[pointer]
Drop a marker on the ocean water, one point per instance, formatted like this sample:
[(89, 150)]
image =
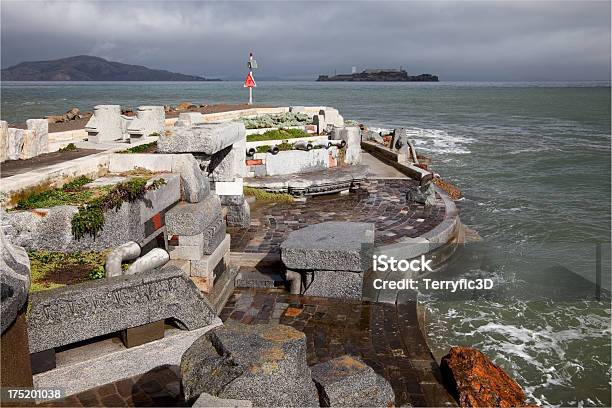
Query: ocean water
[(533, 163)]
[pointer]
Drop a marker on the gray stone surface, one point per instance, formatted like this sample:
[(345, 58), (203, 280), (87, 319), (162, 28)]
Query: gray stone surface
[(335, 284), (238, 211), (36, 138), (333, 245), (213, 236), (207, 138), (189, 118), (148, 120), (51, 229), (193, 218), (106, 124), (265, 364), (210, 401), (425, 194), (78, 312), (14, 280), (15, 143), (3, 140), (228, 164), (195, 185), (348, 382), (103, 362), (352, 137)]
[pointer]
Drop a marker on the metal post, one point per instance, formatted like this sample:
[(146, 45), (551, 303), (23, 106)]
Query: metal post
[(250, 96)]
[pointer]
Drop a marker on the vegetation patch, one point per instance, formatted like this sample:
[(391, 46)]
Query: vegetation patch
[(280, 120), (55, 269), (262, 195), (90, 217), (278, 134), (70, 193), (70, 147), (143, 148), (91, 202)]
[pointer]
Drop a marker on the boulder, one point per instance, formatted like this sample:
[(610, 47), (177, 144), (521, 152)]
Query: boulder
[(330, 246), (475, 381), (14, 280), (348, 382), (185, 106), (265, 364), (71, 114), (207, 138), (425, 194)]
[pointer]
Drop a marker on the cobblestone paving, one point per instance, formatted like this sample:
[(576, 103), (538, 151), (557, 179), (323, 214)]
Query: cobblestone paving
[(382, 202), (386, 337), (160, 387)]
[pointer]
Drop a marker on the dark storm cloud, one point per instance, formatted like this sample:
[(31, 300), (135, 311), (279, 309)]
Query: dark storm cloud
[(485, 40)]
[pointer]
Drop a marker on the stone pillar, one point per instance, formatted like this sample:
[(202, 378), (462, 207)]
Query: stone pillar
[(105, 124), (3, 140), (352, 137), (15, 143), (36, 138)]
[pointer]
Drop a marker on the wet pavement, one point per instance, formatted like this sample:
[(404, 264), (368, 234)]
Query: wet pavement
[(380, 201)]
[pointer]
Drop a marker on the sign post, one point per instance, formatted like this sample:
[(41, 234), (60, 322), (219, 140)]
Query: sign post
[(249, 82)]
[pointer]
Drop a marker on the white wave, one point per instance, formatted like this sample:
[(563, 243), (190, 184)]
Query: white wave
[(433, 140)]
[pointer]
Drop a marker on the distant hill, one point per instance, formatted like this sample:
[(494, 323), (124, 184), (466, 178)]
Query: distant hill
[(88, 68)]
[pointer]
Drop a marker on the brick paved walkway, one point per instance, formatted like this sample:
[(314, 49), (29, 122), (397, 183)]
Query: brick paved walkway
[(387, 337), (382, 202)]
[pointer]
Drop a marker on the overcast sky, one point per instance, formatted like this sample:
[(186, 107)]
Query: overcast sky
[(463, 40)]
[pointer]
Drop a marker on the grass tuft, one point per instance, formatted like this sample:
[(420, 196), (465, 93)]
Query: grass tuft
[(262, 195)]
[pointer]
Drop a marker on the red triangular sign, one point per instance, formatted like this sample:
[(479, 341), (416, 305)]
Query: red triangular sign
[(249, 82)]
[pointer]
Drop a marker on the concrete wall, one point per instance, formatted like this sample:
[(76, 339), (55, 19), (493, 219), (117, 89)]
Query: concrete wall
[(292, 162)]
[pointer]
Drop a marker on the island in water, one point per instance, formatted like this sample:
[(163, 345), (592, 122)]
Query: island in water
[(380, 75), (89, 68)]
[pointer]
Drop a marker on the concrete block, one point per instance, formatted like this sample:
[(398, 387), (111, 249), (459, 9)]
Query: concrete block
[(205, 266), (106, 124), (149, 120), (83, 311), (296, 161), (4, 142), (15, 143), (336, 246), (193, 218), (186, 252), (336, 284), (352, 137), (207, 138), (36, 139)]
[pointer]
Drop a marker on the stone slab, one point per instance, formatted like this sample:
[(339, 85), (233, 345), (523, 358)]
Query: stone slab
[(335, 284), (256, 279), (195, 185), (107, 361), (347, 381), (334, 246), (207, 138), (14, 277), (79, 312)]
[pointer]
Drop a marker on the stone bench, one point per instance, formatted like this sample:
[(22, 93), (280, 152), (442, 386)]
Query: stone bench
[(330, 258)]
